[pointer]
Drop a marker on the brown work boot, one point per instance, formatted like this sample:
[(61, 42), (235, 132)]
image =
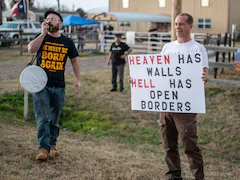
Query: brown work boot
[(53, 152), (42, 155)]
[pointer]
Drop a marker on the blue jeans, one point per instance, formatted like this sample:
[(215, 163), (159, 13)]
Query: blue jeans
[(48, 105), (115, 70)]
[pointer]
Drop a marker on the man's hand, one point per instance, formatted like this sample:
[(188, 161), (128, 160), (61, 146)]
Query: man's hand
[(108, 62), (129, 79), (123, 56), (35, 44), (205, 77), (45, 27), (77, 86)]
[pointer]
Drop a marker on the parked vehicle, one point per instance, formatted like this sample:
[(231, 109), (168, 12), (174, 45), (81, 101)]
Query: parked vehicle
[(10, 29), (4, 42)]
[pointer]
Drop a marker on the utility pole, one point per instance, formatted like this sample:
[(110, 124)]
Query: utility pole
[(58, 1), (176, 9)]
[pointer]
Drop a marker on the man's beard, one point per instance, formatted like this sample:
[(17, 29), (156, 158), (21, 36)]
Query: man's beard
[(53, 29)]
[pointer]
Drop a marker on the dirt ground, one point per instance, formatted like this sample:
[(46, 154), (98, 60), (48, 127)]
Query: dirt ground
[(81, 157), (12, 70), (89, 158)]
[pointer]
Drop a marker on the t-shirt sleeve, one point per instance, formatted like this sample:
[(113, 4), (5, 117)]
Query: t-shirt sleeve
[(126, 47), (111, 48), (163, 49), (205, 57), (72, 50), (37, 35)]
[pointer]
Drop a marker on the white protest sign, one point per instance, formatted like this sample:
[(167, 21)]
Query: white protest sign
[(167, 83)]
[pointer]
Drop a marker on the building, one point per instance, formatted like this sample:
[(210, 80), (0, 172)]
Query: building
[(210, 16), (134, 21), (92, 12)]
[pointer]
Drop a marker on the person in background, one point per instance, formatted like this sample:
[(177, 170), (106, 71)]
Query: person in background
[(118, 51)]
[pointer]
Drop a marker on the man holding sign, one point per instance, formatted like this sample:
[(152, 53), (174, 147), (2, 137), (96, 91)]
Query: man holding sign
[(173, 83), (183, 124)]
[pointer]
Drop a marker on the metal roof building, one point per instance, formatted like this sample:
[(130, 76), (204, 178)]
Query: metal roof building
[(132, 17)]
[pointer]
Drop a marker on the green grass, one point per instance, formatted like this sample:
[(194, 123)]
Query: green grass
[(12, 107), (97, 112)]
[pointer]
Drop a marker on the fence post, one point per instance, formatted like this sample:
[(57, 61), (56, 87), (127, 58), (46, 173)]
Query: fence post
[(217, 55), (96, 39), (20, 40), (223, 54), (101, 38), (208, 38), (233, 43), (25, 113), (229, 44), (149, 44), (102, 41)]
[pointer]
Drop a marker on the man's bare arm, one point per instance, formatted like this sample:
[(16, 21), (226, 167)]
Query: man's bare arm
[(109, 58), (76, 70), (35, 44), (205, 75)]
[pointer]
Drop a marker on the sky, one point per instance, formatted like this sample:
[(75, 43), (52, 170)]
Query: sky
[(84, 4)]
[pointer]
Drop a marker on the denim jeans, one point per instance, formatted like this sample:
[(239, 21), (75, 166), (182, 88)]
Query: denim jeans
[(115, 70), (48, 105)]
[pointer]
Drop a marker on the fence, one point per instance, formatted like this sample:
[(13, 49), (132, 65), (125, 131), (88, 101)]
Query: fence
[(16, 42), (222, 65), (19, 41), (141, 42)]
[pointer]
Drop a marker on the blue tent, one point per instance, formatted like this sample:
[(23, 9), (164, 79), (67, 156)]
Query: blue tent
[(72, 20)]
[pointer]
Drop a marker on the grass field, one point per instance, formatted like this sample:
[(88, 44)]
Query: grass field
[(101, 138)]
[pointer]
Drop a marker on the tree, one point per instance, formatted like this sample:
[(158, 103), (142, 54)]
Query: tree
[(81, 12)]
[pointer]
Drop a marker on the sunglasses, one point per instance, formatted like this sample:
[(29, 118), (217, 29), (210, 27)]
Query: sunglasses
[(51, 20)]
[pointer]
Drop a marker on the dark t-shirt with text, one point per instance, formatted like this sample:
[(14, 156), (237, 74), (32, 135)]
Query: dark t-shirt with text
[(52, 57), (118, 50)]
